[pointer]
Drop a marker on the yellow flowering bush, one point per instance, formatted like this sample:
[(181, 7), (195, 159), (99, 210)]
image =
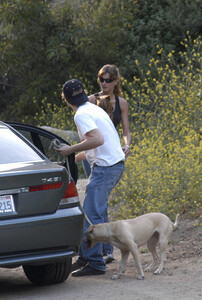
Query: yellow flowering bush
[(58, 116), (163, 170)]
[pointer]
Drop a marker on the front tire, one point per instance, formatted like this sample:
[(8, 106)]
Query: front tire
[(48, 274)]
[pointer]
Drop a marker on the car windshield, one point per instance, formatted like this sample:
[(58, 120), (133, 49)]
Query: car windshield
[(13, 149)]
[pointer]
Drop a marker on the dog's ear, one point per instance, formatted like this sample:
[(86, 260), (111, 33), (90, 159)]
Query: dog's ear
[(107, 98), (103, 97), (97, 100)]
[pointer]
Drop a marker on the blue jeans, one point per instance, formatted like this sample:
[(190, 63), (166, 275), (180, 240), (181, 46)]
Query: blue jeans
[(87, 168), (107, 248), (101, 182)]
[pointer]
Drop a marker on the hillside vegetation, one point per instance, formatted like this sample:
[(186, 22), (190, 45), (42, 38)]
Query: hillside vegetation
[(156, 45)]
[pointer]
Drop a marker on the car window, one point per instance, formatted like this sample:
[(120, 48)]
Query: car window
[(14, 149), (44, 144), (42, 140), (49, 150), (27, 134)]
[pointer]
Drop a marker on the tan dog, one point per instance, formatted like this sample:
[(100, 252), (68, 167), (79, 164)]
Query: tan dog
[(104, 103), (128, 235)]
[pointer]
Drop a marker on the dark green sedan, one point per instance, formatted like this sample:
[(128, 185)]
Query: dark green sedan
[(41, 220)]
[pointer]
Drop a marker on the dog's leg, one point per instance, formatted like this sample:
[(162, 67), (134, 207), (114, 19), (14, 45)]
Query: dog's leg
[(163, 242), (151, 244), (124, 257), (135, 252)]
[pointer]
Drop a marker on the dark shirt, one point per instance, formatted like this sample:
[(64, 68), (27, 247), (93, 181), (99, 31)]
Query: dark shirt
[(117, 111)]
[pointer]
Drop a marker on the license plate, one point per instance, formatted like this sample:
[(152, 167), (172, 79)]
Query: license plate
[(7, 204)]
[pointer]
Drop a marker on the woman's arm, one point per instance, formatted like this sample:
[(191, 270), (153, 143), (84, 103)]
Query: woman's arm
[(80, 156), (125, 126)]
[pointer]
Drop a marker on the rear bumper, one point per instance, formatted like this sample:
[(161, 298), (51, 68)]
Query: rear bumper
[(35, 258), (41, 239)]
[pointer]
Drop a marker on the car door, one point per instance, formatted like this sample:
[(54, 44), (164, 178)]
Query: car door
[(42, 139)]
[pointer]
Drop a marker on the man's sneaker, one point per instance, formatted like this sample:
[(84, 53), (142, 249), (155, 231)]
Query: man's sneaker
[(87, 271), (109, 258), (77, 265)]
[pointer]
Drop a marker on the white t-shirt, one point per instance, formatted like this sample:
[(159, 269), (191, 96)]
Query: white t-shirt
[(90, 116)]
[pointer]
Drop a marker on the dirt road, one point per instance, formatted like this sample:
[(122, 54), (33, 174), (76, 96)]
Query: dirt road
[(181, 278)]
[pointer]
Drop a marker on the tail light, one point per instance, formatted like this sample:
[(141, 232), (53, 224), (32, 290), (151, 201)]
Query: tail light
[(71, 190), (71, 194), (44, 187)]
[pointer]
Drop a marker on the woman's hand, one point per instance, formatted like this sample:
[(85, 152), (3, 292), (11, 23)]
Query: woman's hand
[(126, 150)]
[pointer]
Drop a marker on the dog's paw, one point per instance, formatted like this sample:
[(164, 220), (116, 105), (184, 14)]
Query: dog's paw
[(114, 277), (140, 277)]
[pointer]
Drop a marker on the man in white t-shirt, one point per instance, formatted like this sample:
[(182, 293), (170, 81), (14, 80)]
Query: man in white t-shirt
[(100, 145)]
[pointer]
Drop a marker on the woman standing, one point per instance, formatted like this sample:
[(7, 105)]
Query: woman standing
[(109, 80)]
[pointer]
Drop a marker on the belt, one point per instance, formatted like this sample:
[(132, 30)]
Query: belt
[(119, 162)]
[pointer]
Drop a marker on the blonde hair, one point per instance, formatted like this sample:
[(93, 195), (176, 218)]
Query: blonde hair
[(114, 74)]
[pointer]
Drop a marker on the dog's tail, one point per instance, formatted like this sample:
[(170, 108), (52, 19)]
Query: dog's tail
[(176, 221)]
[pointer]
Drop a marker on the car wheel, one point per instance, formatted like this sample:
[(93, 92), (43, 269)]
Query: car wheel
[(49, 273)]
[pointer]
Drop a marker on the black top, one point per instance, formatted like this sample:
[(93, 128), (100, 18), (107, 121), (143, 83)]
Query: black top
[(117, 111)]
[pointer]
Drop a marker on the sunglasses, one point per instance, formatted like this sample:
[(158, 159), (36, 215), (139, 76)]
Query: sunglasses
[(108, 80)]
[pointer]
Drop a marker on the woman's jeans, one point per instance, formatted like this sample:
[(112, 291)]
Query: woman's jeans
[(101, 182)]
